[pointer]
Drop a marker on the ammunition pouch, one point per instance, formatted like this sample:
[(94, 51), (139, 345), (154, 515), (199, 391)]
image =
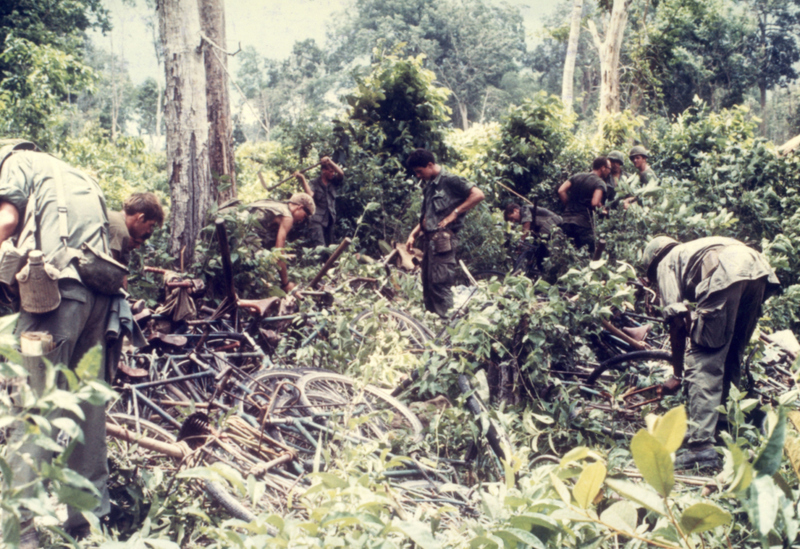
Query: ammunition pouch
[(442, 241)]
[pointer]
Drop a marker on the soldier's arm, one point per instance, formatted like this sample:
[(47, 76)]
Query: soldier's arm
[(474, 198), (597, 198), (412, 236), (286, 223), (563, 191), (327, 161), (9, 219), (302, 179)]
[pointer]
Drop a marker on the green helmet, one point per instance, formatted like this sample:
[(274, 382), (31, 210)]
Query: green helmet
[(616, 156), (304, 200), (639, 150), (654, 252)]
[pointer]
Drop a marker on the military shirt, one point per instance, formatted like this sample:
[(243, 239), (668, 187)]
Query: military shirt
[(325, 201), (545, 219), (648, 176), (119, 238), (440, 197), (28, 179), (267, 211), (578, 210), (697, 269)]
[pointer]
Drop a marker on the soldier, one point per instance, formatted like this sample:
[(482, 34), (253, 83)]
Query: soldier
[(323, 189), (275, 220), (645, 173), (728, 282), (141, 214), (67, 209), (581, 194), (616, 175), (446, 198), (545, 219)]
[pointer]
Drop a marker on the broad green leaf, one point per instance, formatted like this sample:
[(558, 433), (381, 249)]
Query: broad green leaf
[(8, 323), (419, 532), (341, 519), (79, 499), (671, 429), (703, 516), (589, 484), (520, 536), (638, 494), (561, 489), (574, 455), (527, 521), (5, 471), (762, 503), (769, 460), (742, 470), (622, 516), (653, 461), (89, 366)]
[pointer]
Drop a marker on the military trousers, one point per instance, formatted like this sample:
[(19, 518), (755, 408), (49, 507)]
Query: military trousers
[(581, 236), (320, 234), (77, 325), (724, 325), (438, 274)]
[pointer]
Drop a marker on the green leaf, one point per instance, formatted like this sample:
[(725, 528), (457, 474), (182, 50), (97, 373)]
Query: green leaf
[(769, 460), (520, 536), (330, 480), (79, 499), (8, 323), (589, 484), (703, 516), (671, 428), (742, 470), (89, 366), (561, 489), (653, 462), (762, 504), (622, 516), (574, 455), (640, 495), (419, 532)]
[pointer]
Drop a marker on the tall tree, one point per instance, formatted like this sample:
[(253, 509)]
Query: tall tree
[(220, 140), (568, 80), (609, 49), (186, 122)]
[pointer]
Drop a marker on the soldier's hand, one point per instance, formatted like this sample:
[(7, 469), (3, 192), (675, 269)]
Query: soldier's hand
[(410, 243), (671, 386), (325, 161), (298, 175), (447, 220), (288, 287)]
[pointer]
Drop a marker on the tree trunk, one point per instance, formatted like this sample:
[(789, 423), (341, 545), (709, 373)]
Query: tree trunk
[(463, 115), (568, 79), (186, 118), (609, 50), (220, 139)]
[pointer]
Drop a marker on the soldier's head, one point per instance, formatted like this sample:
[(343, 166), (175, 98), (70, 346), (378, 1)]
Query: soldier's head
[(601, 166), (638, 156), (654, 252), (513, 212), (143, 212), (302, 207), (329, 173), (422, 163), (616, 159)]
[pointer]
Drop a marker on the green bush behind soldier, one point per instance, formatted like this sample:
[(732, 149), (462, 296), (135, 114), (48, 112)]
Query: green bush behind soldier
[(322, 223), (29, 183), (275, 220), (581, 194), (445, 199), (728, 282)]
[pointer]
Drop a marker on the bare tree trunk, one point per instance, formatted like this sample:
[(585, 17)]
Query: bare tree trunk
[(187, 123), (220, 139), (114, 91), (609, 50), (568, 79), (464, 115)]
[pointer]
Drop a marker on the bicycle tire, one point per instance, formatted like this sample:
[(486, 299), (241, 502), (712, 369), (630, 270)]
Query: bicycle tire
[(416, 331), (495, 434), (619, 360), (323, 392)]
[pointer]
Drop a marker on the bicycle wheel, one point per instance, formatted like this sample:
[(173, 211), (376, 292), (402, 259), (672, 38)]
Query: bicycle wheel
[(341, 400), (495, 434), (368, 323), (617, 362)]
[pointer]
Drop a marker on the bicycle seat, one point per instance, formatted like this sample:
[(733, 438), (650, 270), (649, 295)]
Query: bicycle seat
[(258, 306), (639, 333)]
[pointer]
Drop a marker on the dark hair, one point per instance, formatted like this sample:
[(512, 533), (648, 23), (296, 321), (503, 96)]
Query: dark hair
[(146, 203), (510, 208), (600, 162), (420, 158)]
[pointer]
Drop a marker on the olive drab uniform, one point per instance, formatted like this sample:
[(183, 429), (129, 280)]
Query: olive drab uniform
[(728, 281), (578, 218), (440, 197), (29, 180), (119, 237), (266, 212), (322, 223)]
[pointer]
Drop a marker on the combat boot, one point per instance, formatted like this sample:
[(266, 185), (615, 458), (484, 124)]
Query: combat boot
[(702, 456)]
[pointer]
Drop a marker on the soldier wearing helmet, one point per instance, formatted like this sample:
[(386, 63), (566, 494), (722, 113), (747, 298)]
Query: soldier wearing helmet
[(644, 174), (617, 173), (725, 282), (275, 220)]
